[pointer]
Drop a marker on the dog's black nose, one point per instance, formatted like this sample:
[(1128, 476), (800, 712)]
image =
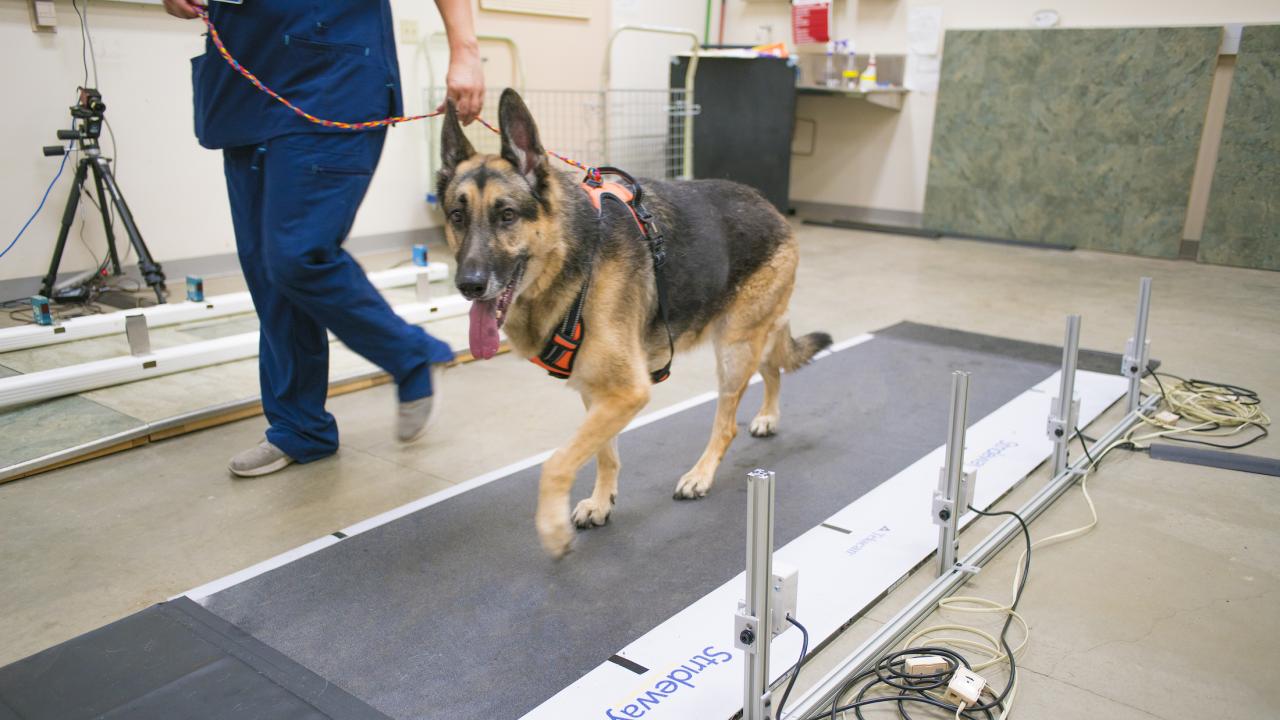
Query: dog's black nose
[(472, 283)]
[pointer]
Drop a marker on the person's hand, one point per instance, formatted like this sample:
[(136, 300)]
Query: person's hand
[(465, 83), (185, 9)]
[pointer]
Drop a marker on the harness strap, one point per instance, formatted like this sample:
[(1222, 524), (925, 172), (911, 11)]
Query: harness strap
[(561, 350), (559, 353)]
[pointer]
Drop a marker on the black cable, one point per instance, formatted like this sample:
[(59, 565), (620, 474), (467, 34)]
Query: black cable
[(1263, 432), (1017, 597), (859, 704), (912, 687), (1160, 385), (84, 55), (795, 671), (1243, 396), (1080, 436)]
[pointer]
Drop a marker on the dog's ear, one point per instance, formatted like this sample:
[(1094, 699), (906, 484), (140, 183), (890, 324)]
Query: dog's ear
[(520, 144), (454, 147)]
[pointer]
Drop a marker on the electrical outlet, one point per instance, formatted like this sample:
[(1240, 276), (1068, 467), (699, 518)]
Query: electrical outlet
[(408, 31), (44, 16), (925, 665), (965, 687)]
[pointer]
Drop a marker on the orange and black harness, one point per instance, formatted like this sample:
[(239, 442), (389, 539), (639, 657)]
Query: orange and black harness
[(558, 355)]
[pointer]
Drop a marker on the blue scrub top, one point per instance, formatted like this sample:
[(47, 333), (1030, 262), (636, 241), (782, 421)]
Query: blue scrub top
[(335, 59)]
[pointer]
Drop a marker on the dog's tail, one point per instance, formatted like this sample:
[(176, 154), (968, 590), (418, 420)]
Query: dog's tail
[(800, 351)]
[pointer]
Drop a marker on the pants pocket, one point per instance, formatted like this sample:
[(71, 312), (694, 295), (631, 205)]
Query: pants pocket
[(339, 171)]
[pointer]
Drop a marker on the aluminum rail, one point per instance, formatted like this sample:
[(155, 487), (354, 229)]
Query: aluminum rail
[(760, 499), (215, 306), (1063, 415), (823, 693), (948, 518), (1136, 354)]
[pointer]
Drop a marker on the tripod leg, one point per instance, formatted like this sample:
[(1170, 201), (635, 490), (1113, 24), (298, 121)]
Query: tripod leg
[(106, 221), (68, 217), (149, 268)]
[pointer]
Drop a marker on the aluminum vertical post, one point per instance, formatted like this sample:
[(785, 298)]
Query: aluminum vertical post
[(753, 627), (1136, 352), (950, 501), (1066, 408), (890, 636)]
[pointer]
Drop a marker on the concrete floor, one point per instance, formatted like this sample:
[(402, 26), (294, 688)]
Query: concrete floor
[(1148, 616)]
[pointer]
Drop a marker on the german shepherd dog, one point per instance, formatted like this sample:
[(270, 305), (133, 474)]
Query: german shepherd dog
[(526, 236)]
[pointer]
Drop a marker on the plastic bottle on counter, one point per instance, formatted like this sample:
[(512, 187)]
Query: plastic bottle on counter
[(850, 74), (868, 79), (829, 77)]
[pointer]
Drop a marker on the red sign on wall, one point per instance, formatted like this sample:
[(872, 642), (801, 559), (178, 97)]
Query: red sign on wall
[(811, 22)]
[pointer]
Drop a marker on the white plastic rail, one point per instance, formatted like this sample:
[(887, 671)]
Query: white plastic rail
[(48, 384), (90, 326)]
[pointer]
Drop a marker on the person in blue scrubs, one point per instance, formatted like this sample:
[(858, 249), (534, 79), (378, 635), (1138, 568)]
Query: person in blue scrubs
[(294, 188)]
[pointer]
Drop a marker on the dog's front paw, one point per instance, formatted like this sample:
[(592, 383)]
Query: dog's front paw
[(764, 425), (693, 485), (589, 513), (556, 537)]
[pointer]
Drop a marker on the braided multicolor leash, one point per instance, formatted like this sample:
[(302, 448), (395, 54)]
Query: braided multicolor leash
[(366, 125), (235, 65)]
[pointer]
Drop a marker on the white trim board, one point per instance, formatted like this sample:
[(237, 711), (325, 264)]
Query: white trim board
[(83, 377), (214, 306), (694, 669)]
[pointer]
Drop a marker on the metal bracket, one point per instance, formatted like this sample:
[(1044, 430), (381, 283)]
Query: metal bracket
[(1059, 428), (746, 630), (422, 286), (1134, 364), (135, 329), (945, 507)]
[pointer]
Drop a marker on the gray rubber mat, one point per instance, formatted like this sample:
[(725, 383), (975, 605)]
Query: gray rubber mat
[(172, 660), (455, 612)]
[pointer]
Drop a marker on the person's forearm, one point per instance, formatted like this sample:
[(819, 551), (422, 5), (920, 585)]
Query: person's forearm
[(458, 25)]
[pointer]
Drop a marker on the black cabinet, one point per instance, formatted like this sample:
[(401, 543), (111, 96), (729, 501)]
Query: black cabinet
[(744, 130)]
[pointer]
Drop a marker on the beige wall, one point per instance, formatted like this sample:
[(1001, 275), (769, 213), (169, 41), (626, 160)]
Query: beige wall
[(174, 187), (870, 156)]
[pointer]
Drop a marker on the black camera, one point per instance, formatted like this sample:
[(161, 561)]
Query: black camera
[(88, 126)]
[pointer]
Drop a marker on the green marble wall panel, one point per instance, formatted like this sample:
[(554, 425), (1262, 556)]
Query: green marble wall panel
[(1243, 223), (1083, 137)]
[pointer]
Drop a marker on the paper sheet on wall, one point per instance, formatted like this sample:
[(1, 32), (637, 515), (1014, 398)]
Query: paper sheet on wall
[(922, 72), (924, 29), (924, 43), (811, 22)]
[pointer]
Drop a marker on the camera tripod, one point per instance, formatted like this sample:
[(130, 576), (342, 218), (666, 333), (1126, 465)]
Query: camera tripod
[(86, 131)]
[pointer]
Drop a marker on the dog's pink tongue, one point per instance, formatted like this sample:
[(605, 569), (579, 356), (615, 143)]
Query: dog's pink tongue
[(484, 329)]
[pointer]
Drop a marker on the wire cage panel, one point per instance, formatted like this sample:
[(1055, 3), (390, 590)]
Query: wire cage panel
[(639, 131)]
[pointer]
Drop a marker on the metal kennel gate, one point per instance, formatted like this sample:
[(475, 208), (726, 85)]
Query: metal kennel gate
[(647, 132)]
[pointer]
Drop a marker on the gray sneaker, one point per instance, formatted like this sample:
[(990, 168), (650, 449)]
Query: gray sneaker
[(261, 460), (412, 417)]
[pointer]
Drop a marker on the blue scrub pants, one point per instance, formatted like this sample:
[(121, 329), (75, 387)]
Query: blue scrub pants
[(293, 199)]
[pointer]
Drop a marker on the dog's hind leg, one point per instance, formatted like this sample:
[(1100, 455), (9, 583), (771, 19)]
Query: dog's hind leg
[(594, 511), (610, 412), (765, 422), (736, 361)]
